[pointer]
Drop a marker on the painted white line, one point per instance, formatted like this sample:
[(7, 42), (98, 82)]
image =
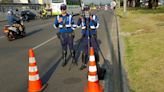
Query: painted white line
[(2, 37), (36, 47)]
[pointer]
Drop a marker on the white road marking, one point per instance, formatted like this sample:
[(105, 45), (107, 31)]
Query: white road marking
[(2, 37), (36, 47)]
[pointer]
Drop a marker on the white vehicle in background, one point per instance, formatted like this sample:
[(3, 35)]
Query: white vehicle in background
[(55, 6)]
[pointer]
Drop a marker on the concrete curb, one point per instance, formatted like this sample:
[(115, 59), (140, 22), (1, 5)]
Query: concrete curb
[(125, 87)]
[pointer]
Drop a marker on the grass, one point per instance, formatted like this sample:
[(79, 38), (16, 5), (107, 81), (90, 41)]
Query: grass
[(145, 51)]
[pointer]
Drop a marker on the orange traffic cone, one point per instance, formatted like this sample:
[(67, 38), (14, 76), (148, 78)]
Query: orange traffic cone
[(35, 83), (93, 82)]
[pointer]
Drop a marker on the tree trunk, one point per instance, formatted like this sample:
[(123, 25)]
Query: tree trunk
[(150, 4), (137, 3), (156, 3), (130, 3)]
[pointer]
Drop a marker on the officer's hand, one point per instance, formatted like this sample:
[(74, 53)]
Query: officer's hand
[(60, 20), (91, 18), (82, 19)]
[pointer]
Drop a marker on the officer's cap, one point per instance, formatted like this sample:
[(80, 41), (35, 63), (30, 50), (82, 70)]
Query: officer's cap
[(63, 7)]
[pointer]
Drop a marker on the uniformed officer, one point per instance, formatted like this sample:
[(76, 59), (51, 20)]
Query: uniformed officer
[(66, 26), (89, 23)]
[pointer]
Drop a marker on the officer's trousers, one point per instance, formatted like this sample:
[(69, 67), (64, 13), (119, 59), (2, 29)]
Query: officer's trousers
[(67, 40), (92, 42)]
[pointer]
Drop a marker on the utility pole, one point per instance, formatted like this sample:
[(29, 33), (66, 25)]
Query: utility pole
[(118, 3), (125, 7)]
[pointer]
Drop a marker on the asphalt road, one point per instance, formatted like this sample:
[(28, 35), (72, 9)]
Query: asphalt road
[(42, 37)]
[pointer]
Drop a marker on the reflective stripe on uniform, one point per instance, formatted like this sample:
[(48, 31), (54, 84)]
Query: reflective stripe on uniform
[(97, 25), (82, 23), (33, 69), (92, 68), (60, 26), (92, 78), (32, 60), (92, 58), (94, 17), (73, 28), (58, 17), (74, 25), (54, 26), (92, 27), (78, 26), (67, 25), (70, 17), (83, 27), (34, 77)]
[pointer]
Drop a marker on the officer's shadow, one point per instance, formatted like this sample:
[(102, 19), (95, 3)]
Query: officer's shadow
[(79, 48)]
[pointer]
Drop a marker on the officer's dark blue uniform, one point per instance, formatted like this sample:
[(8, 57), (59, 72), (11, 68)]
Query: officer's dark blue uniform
[(66, 26), (89, 25)]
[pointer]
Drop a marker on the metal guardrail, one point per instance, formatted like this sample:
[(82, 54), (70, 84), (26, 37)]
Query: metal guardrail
[(4, 7), (35, 8)]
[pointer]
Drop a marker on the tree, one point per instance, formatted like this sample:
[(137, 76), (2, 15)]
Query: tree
[(137, 3), (153, 4), (7, 1)]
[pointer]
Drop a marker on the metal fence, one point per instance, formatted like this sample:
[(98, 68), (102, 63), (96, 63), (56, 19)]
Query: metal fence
[(4, 7)]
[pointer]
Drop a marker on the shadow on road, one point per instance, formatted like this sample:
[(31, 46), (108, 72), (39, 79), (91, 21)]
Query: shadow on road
[(34, 32), (108, 80), (49, 73), (79, 47)]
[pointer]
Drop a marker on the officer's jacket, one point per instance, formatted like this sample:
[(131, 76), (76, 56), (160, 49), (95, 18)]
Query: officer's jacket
[(67, 25), (88, 26)]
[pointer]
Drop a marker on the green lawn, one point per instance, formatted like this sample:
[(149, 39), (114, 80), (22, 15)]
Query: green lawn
[(144, 57)]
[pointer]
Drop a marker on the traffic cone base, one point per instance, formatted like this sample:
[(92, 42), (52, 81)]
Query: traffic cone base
[(40, 89), (95, 88)]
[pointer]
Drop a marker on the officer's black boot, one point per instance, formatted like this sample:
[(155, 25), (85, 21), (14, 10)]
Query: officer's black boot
[(73, 56), (84, 61), (64, 58)]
